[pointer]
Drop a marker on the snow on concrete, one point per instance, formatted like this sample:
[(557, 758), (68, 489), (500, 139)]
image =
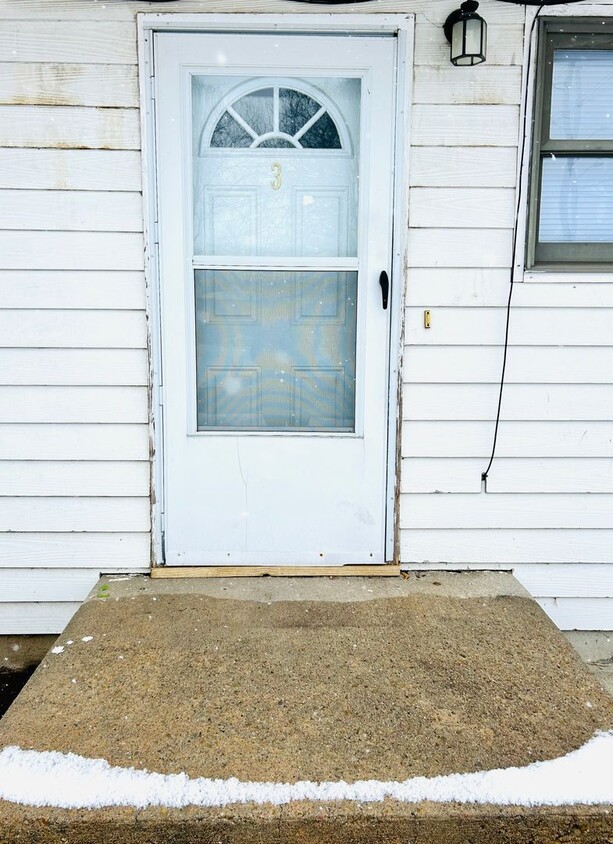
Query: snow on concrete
[(68, 781), (58, 649)]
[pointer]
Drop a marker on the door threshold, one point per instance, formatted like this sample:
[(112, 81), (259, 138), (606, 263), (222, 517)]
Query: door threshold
[(276, 571)]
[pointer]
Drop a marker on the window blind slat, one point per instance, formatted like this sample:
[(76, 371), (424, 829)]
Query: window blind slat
[(576, 200), (581, 103)]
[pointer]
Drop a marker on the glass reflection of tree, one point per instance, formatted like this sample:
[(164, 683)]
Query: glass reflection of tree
[(302, 122)]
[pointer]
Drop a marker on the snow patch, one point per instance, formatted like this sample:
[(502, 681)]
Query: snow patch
[(58, 649), (87, 638), (68, 781)]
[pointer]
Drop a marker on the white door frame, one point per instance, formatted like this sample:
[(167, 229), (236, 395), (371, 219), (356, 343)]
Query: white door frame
[(400, 26)]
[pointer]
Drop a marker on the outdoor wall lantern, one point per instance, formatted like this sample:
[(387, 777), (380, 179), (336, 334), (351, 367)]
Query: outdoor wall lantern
[(466, 32)]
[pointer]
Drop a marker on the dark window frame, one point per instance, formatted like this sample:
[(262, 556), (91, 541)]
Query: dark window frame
[(563, 34)]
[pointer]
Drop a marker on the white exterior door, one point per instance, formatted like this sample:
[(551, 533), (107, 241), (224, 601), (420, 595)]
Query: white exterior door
[(275, 196)]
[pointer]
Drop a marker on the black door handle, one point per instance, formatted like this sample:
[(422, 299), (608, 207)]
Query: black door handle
[(384, 281)]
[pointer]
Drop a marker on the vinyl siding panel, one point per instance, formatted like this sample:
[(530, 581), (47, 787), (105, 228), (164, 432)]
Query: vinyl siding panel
[(482, 364), (61, 367), (522, 402), (83, 290), (69, 84), (579, 613), (505, 548), (70, 169), (67, 127), (74, 404), (70, 478), (70, 211), (104, 551), (42, 617), (546, 513), (508, 475), (74, 442)]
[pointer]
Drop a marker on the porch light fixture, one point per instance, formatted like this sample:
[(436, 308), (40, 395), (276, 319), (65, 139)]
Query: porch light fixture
[(466, 32)]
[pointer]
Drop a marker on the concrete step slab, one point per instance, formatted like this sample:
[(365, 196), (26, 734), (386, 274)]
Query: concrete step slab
[(284, 680)]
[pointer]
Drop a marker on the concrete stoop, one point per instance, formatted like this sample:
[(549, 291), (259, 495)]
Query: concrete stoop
[(318, 679)]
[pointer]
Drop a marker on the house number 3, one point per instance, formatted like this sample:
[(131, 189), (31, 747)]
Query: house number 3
[(276, 182)]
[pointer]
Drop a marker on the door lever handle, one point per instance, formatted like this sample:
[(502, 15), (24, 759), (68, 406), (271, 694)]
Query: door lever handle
[(384, 281)]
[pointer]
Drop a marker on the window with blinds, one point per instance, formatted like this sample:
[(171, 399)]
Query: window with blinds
[(571, 202)]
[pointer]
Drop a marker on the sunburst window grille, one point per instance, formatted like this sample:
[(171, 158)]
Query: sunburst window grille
[(276, 117)]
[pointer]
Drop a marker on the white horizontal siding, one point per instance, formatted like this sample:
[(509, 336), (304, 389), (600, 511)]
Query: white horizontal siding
[(78, 329), (72, 289), (579, 613), (67, 126), (44, 250), (465, 125), (74, 404), (70, 169), (511, 475), (490, 208), (528, 326), (505, 548), (74, 442), (567, 581), (504, 44), (61, 515), (521, 402), (500, 511), (33, 618), (42, 585), (468, 167), (105, 551), (546, 512), (74, 478), (32, 585), (552, 365), (58, 40), (68, 84), (515, 439), (488, 85), (442, 474), (70, 211), (459, 247), (489, 288), (73, 366)]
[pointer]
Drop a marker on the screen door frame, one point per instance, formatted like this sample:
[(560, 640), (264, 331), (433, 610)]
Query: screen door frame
[(400, 27)]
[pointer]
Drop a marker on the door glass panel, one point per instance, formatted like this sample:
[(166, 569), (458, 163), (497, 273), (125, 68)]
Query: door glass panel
[(275, 166), (275, 350), (295, 109), (322, 135), (256, 109)]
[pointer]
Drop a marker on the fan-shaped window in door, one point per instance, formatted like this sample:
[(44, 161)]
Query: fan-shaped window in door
[(277, 117)]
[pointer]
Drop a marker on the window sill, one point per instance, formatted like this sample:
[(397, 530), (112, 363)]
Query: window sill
[(574, 276)]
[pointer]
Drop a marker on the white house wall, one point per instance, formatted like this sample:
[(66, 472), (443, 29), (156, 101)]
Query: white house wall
[(556, 435), (74, 410), (74, 433)]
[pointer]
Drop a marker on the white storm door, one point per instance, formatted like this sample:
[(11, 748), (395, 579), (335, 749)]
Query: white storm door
[(275, 195)]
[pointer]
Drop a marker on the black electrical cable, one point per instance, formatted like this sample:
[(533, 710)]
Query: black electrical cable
[(518, 206)]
